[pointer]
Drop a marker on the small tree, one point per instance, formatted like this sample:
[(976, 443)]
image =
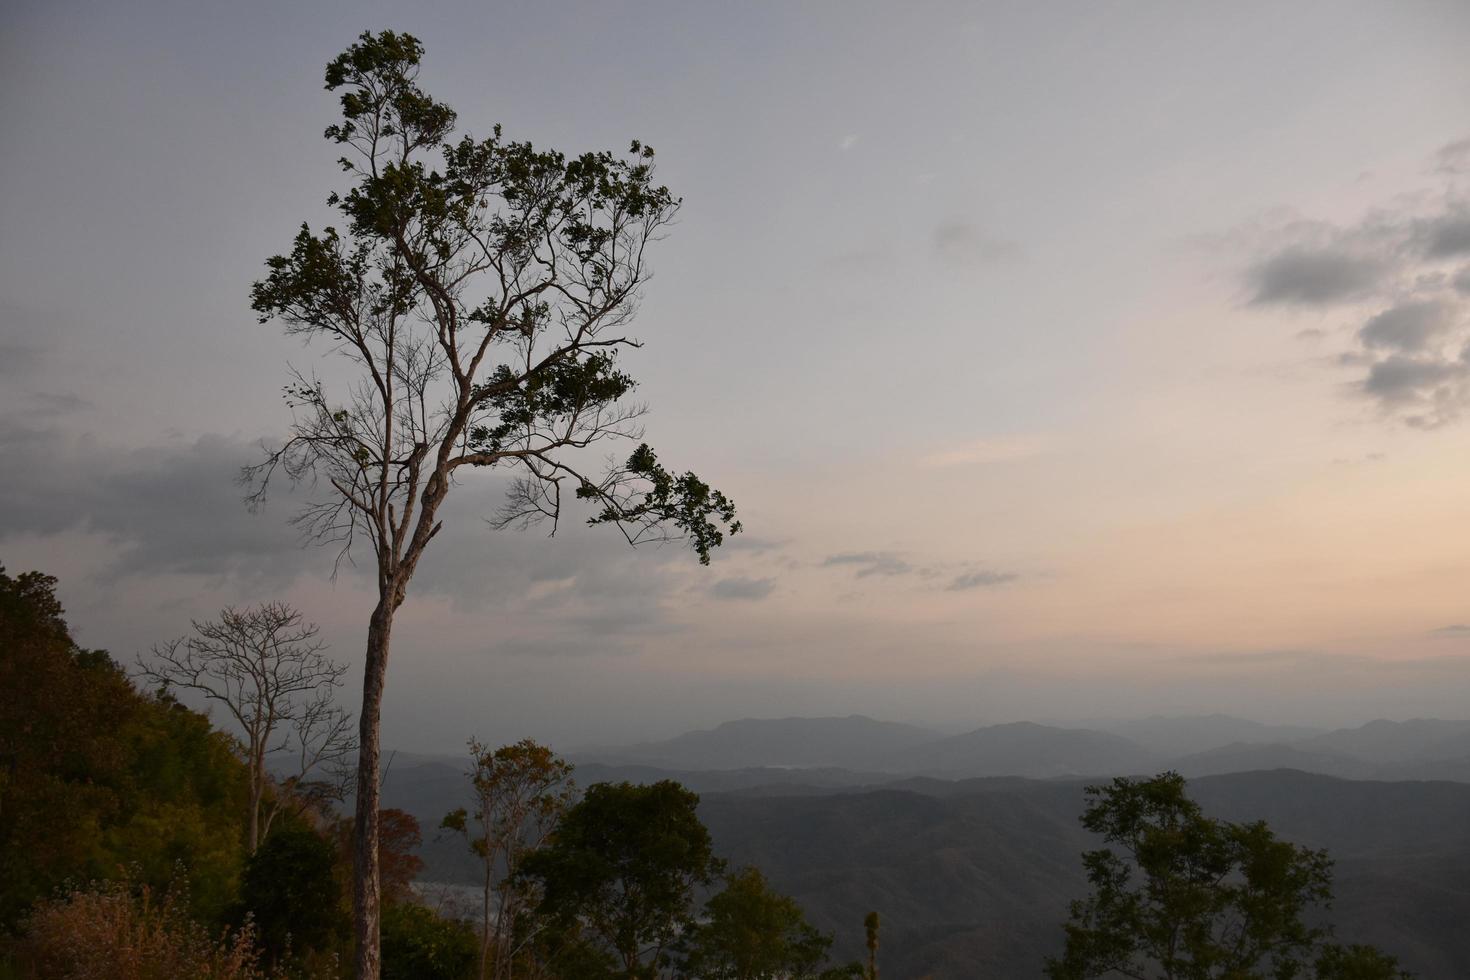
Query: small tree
[(749, 932), (619, 874), (1193, 898), (480, 292), (399, 841), (291, 890), (421, 945), (520, 793), (266, 667)]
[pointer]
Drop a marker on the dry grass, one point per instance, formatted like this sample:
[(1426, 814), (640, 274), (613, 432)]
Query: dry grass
[(113, 931)]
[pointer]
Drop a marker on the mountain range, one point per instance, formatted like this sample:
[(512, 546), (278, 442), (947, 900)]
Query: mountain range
[(969, 845), (1417, 749)]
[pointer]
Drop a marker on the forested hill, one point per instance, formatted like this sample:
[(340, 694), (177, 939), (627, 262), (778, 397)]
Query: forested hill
[(974, 876)]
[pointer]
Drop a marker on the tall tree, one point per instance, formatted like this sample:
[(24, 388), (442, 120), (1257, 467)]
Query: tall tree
[(520, 792), (266, 667), (619, 876), (1194, 898), (480, 291)]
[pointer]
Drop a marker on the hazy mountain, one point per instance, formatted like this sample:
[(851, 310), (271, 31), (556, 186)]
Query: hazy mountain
[(973, 876), (975, 881), (1186, 735), (1025, 749), (1242, 757), (1420, 739), (853, 742)]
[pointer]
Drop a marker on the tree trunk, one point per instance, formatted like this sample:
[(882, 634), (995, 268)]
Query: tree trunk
[(485, 916), (255, 795), (366, 892)]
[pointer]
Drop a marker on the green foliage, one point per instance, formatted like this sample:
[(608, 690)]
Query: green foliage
[(520, 792), (1357, 963), (291, 889), (1198, 898), (481, 285), (95, 775), (618, 877), (749, 932), (420, 945)]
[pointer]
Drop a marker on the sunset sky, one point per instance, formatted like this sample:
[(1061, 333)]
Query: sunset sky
[(1066, 361)]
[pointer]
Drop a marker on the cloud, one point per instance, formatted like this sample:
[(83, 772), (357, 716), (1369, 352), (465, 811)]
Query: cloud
[(848, 142), (961, 243), (1400, 380), (173, 508), (1309, 276), (1392, 271), (1410, 326), (742, 588), (1453, 158), (886, 563), (993, 449), (982, 579), (1446, 235), (1455, 629)]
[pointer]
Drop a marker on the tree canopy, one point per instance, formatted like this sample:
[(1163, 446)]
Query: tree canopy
[(619, 874), (1194, 898), (95, 775)]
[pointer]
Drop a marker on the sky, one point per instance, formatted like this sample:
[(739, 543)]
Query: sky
[(1066, 361)]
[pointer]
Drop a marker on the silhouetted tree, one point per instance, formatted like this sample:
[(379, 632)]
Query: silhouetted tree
[(1193, 898), (481, 291), (520, 792), (618, 876), (266, 667), (749, 932)]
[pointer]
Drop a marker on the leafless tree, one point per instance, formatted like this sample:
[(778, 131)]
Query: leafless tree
[(480, 294), (265, 666)]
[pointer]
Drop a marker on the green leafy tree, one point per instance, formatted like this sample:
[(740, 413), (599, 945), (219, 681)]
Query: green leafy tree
[(618, 876), (1193, 898), (481, 291), (520, 792), (420, 945), (290, 888), (95, 775), (750, 932)]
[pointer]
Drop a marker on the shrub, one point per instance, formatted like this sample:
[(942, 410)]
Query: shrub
[(111, 931), (420, 945)]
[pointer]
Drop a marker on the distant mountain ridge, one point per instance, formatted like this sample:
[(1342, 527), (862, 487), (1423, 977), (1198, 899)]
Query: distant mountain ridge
[(849, 742), (1206, 745), (1180, 735)]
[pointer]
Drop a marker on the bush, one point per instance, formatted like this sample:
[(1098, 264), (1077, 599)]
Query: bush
[(290, 887), (110, 930), (420, 945)]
